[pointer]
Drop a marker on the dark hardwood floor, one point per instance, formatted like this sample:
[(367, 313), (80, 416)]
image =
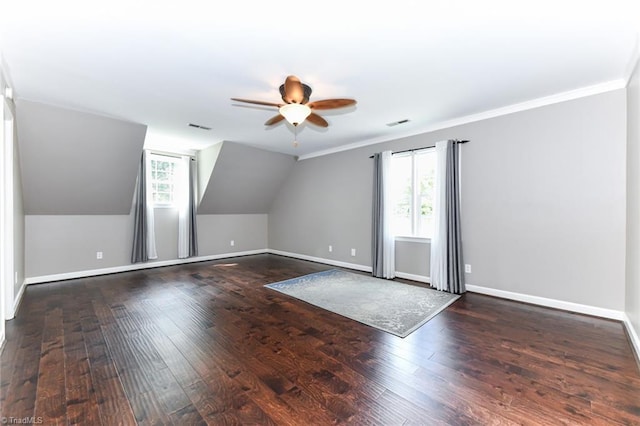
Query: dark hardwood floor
[(205, 343)]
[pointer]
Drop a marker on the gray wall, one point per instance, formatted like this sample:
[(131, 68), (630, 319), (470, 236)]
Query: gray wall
[(326, 201), (413, 258), (77, 163), (543, 198), (632, 301), (80, 169), (59, 244), (244, 179), (207, 159), (215, 232)]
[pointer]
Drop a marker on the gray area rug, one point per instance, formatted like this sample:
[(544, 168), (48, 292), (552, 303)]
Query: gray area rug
[(391, 306)]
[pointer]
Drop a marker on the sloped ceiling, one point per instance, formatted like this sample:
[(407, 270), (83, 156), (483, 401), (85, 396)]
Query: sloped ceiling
[(245, 180), (75, 163)]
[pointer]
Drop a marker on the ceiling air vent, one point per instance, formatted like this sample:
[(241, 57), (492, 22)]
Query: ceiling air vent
[(197, 126), (395, 123)]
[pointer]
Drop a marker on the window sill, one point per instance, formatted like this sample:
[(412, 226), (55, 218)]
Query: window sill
[(421, 240)]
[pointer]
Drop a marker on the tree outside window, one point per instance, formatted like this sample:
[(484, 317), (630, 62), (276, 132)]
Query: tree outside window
[(163, 180)]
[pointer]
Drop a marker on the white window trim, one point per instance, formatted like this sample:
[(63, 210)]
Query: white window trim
[(409, 239), (415, 199), (173, 157)]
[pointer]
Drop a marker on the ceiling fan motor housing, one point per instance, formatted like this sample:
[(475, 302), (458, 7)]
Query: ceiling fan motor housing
[(306, 89)]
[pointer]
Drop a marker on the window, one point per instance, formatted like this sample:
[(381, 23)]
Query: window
[(413, 178), (162, 180)]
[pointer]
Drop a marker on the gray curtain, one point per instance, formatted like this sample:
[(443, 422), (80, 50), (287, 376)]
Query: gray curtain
[(382, 240), (140, 226), (193, 237), (447, 265)]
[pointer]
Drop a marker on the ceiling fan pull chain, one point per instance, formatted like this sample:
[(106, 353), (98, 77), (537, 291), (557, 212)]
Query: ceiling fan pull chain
[(295, 136)]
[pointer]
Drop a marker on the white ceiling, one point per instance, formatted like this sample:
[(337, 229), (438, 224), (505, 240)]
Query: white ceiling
[(170, 63)]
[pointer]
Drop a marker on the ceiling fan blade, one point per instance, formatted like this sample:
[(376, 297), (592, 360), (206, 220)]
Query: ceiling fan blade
[(331, 103), (317, 120), (249, 101), (273, 120), (293, 90)]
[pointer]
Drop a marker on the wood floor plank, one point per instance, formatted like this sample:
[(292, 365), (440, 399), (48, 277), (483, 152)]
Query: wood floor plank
[(82, 406), (51, 392), (268, 347), (113, 404), (19, 391), (206, 343)]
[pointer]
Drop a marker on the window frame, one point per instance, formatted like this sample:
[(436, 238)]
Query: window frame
[(156, 156), (415, 197)]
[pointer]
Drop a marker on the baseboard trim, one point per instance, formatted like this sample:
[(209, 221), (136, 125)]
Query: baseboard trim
[(414, 277), (535, 300), (331, 262), (633, 336), (549, 303), (519, 297), (135, 267), (18, 300)]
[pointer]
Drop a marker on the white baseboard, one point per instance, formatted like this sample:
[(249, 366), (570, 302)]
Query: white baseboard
[(413, 277), (549, 303), (633, 335), (135, 267), (332, 262), (18, 299), (536, 300)]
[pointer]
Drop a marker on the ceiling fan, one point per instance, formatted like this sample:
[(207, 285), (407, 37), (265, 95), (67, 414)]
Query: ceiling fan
[(296, 107)]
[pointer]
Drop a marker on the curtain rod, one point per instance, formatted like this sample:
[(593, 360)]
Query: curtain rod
[(424, 147)]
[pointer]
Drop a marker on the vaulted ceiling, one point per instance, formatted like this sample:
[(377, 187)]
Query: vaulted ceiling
[(167, 64)]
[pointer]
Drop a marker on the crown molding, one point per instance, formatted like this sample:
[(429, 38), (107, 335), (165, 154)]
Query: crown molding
[(498, 112)]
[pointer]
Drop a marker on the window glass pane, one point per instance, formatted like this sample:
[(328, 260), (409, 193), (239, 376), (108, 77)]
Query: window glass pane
[(163, 187), (162, 198), (153, 169), (162, 180), (425, 169), (401, 194)]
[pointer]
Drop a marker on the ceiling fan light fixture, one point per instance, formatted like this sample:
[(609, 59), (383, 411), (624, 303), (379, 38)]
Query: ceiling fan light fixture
[(295, 113)]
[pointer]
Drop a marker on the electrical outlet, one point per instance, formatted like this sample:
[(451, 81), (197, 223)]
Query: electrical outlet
[(353, 252), (232, 243), (467, 268), (98, 255), (330, 249)]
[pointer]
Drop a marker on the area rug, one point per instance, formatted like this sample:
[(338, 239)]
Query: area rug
[(391, 306)]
